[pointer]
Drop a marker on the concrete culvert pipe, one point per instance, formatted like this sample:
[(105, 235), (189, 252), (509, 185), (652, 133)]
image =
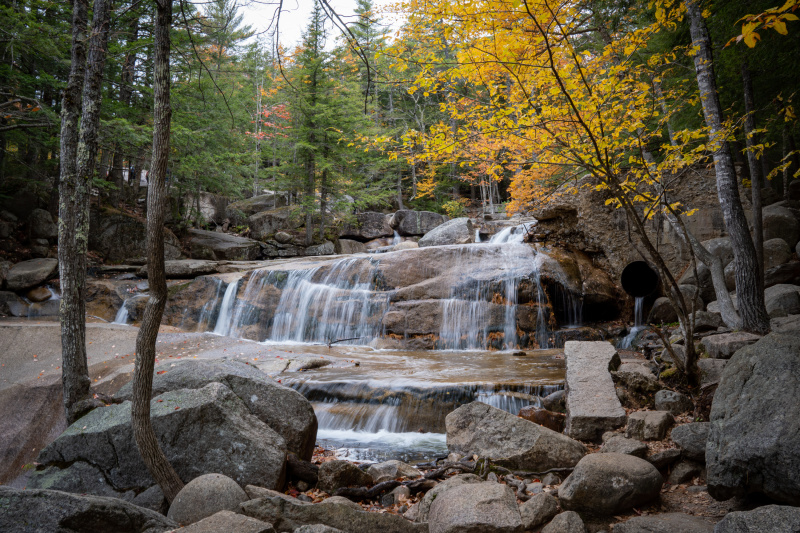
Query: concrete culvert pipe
[(638, 279)]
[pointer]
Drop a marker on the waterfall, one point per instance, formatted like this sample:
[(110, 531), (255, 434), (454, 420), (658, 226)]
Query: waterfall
[(207, 311), (638, 307), (511, 234), (638, 324), (396, 239), (122, 314), (224, 322), (477, 235), (319, 306)]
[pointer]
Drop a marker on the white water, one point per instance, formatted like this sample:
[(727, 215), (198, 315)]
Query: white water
[(638, 324), (396, 239), (122, 314), (511, 234), (477, 235), (210, 307), (224, 322)]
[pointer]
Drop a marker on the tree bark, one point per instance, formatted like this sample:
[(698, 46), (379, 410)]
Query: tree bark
[(749, 290), (146, 440), (72, 196), (756, 179)]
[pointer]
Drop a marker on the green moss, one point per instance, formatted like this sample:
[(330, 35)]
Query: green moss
[(668, 373), (175, 289)]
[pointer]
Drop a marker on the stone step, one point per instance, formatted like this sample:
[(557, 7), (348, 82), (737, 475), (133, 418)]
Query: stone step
[(592, 404)]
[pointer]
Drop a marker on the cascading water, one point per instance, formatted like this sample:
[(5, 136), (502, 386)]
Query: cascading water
[(224, 322), (209, 308), (638, 324), (477, 235), (122, 315), (396, 239)]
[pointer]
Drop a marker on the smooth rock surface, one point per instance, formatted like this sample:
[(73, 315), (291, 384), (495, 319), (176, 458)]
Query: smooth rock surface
[(776, 252), (283, 409), (543, 417), (664, 458), (408, 222), (480, 507), (766, 519), (665, 523), (609, 483), (566, 522), (710, 370), (200, 431), (592, 404), (537, 511), (392, 470), (455, 481), (228, 522), (725, 345), (620, 444), (40, 511), (455, 231), (337, 474), (782, 300), (509, 440), (222, 246), (691, 439), (29, 274), (684, 471), (286, 514), (204, 496), (649, 425), (755, 423), (636, 377), (780, 223), (367, 226)]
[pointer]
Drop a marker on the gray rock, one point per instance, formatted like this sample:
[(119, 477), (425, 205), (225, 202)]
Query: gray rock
[(200, 431), (636, 377), (337, 474), (283, 409), (326, 248), (755, 419), (228, 522), (620, 444), (723, 346), (79, 478), (592, 404), (41, 225), (392, 470), (29, 274), (665, 523), (425, 503), (34, 511), (121, 238), (785, 273), (710, 370), (706, 321), (204, 496), (691, 439), (566, 522), (720, 247), (649, 425), (368, 226), (780, 223), (766, 519), (475, 427), (678, 349), (408, 222), (789, 324), (283, 238), (456, 231), (664, 458), (776, 252), (347, 246), (556, 402), (222, 246), (266, 223), (609, 483), (153, 499), (537, 511), (8, 217), (551, 479), (684, 471), (239, 211), (782, 300), (317, 528), (405, 245), (184, 268), (286, 514), (398, 494), (672, 401), (480, 507)]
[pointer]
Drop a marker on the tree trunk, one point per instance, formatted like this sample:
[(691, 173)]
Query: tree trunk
[(72, 196), (116, 177), (749, 288), (323, 204), (309, 199), (756, 179), (399, 190), (146, 440)]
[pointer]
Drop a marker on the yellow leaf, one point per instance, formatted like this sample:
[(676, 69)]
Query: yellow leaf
[(780, 27), (751, 39)]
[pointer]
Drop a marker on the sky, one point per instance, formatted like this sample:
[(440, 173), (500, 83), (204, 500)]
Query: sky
[(295, 13)]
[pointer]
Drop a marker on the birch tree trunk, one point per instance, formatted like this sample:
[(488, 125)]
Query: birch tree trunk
[(72, 195), (749, 291), (146, 440)]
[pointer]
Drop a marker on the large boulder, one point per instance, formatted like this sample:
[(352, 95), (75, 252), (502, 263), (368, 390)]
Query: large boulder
[(407, 222), (232, 522), (33, 511), (287, 514), (781, 223), (755, 423), (204, 496), (334, 475), (222, 246), (368, 226), (723, 346), (41, 225), (665, 523), (200, 431), (566, 522), (649, 425), (267, 223), (239, 211), (766, 519), (392, 470), (620, 444), (28, 274), (673, 401), (475, 428), (121, 238), (720, 247), (480, 508), (456, 231), (185, 268), (782, 300), (776, 252), (425, 503), (348, 246), (609, 483), (537, 511), (283, 409)]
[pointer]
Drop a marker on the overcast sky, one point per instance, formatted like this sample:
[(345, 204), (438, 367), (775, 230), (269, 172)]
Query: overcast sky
[(295, 14)]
